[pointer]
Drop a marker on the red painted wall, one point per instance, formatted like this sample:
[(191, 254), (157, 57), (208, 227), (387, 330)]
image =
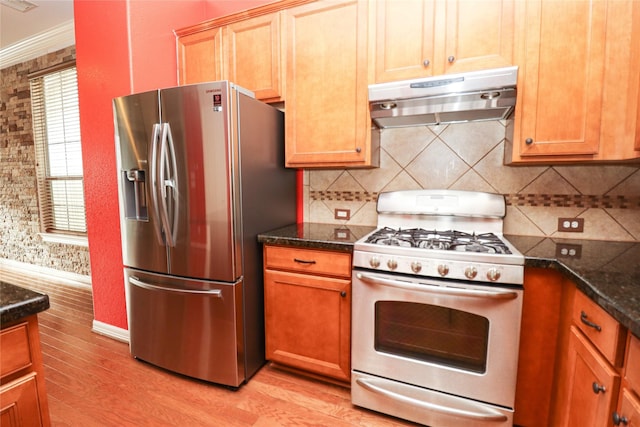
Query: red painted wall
[(122, 47), (102, 60)]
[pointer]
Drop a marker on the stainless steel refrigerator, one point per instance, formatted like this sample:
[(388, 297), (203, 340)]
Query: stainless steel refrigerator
[(201, 173)]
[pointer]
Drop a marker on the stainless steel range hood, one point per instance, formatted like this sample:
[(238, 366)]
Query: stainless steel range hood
[(452, 98)]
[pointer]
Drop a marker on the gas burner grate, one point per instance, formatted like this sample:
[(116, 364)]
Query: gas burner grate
[(443, 240)]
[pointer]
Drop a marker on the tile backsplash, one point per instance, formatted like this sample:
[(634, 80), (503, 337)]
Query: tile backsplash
[(470, 156)]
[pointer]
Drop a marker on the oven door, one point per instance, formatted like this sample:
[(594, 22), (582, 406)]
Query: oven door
[(444, 335)]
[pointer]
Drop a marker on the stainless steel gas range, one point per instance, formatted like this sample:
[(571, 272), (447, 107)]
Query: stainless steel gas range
[(437, 301)]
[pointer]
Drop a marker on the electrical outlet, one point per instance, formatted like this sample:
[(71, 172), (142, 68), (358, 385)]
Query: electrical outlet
[(571, 225), (342, 234), (568, 250), (344, 214)]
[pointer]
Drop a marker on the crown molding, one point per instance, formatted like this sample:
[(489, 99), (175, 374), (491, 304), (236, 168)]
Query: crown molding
[(53, 39)]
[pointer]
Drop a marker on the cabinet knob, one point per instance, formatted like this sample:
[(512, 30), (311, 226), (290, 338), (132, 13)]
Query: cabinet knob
[(597, 388), (619, 419), (528, 141), (426, 62), (358, 149), (451, 59), (343, 294)]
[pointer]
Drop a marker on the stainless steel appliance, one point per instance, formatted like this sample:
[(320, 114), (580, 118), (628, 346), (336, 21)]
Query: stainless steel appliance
[(437, 300), (452, 98), (201, 173)]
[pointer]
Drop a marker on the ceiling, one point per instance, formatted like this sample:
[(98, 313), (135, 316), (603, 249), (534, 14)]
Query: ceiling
[(17, 26)]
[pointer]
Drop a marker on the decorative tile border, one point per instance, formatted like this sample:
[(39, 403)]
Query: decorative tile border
[(550, 200), (574, 201), (343, 196)]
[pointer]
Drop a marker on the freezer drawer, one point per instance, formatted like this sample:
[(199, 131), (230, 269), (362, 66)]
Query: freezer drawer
[(191, 327)]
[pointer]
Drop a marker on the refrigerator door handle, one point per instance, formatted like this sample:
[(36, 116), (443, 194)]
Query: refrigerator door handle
[(154, 181), (137, 282), (169, 199)]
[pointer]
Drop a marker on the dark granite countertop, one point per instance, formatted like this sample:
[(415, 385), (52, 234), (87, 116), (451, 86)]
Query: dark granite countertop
[(607, 272), (317, 236), (17, 303)]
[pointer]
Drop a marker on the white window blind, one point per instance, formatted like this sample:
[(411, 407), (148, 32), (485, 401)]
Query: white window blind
[(56, 129)]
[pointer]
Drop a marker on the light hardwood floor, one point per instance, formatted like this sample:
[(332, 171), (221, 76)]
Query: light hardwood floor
[(93, 381)]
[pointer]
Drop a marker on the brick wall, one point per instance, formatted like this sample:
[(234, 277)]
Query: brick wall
[(19, 223)]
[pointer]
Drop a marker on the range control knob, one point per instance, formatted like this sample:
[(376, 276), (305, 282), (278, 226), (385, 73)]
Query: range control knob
[(416, 267), (374, 262), (493, 274), (392, 264), (470, 272), (443, 269)]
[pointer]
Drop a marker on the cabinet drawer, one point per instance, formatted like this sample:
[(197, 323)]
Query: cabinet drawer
[(16, 354), (307, 261), (602, 329), (632, 370)]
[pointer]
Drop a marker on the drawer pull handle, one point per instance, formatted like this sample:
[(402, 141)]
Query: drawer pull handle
[(597, 388), (304, 261), (586, 321)]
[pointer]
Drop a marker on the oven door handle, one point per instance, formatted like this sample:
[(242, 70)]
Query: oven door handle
[(488, 416), (441, 290)]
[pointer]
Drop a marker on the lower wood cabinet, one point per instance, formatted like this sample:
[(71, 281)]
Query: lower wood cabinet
[(542, 309), (628, 411), (23, 400), (590, 363), (578, 366), (591, 385), (308, 310)]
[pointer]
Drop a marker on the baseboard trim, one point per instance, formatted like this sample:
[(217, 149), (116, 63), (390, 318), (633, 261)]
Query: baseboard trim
[(36, 271), (110, 331)]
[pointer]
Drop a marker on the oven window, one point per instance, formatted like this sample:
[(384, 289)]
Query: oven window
[(432, 334)]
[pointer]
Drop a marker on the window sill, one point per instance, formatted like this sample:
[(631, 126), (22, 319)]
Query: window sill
[(66, 239)]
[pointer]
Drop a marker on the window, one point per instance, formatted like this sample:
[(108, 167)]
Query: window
[(56, 130)]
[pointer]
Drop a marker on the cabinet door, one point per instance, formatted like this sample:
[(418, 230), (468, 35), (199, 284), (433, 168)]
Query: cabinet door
[(591, 385), (404, 39), (561, 50), (421, 38), (620, 129), (628, 412), (327, 112), (628, 409), (20, 406), (308, 322), (254, 55), (200, 57), (479, 35)]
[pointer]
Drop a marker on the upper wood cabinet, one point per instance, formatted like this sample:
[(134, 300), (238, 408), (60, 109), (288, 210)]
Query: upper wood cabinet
[(578, 81), (200, 56), (419, 38), (327, 118), (245, 48), (254, 55)]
